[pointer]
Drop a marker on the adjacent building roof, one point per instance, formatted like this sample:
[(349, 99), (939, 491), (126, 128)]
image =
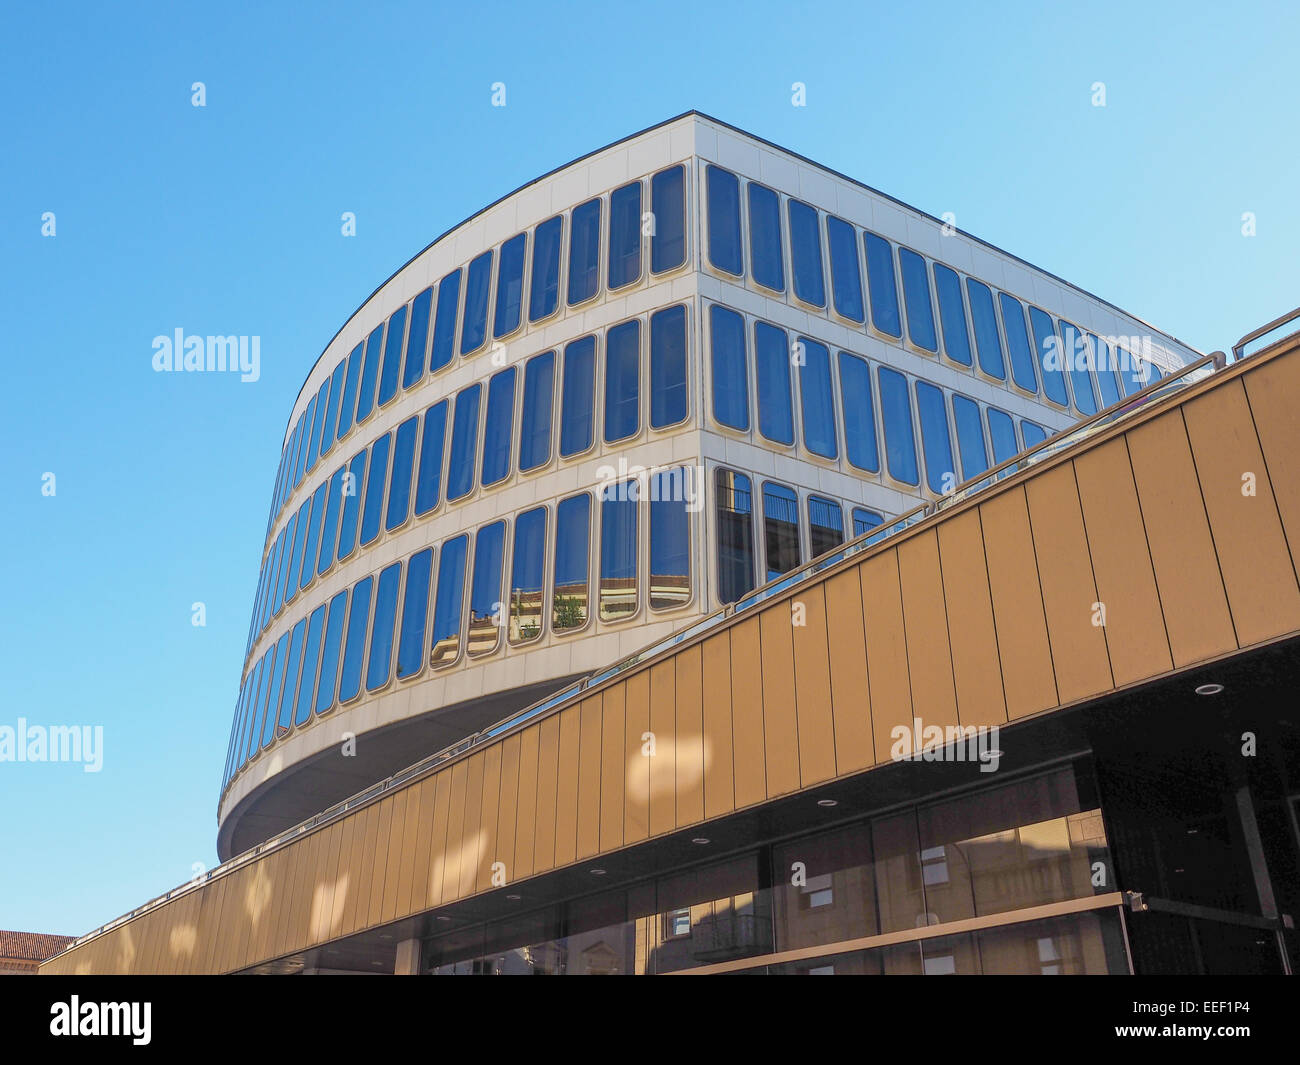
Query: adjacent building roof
[(30, 946)]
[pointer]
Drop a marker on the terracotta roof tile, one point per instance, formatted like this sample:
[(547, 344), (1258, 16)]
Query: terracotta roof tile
[(31, 946)]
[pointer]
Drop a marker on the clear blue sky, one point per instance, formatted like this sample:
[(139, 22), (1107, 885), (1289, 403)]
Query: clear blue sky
[(225, 220)]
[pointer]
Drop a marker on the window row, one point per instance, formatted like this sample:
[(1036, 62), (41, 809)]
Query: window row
[(451, 598), (482, 423), (977, 325), (422, 336), (846, 405)]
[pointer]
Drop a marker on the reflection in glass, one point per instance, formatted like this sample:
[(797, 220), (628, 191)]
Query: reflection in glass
[(376, 479), (859, 413), (780, 529), (970, 437), (444, 323), (399, 486), (284, 719), (330, 646), (1032, 432), (498, 427), (952, 314), (473, 324), (572, 532), (526, 577), (723, 192), (625, 235), (535, 418), (370, 374), (765, 255), (350, 392), (1050, 361), (354, 646), (896, 414), (485, 606), (1022, 355), (448, 601), (544, 296), (1079, 356), (584, 252), (881, 285), (623, 381), (1002, 435), (353, 483), (415, 614), (772, 382), (579, 399), (730, 379), (464, 440), (310, 655), (428, 489), (825, 525), (380, 662), (392, 370), (670, 540), (940, 473), (988, 344), (278, 661), (865, 520), (806, 254), (510, 286), (667, 367), (328, 431), (668, 202), (816, 400), (735, 535), (618, 536), (329, 530), (846, 273), (417, 344)]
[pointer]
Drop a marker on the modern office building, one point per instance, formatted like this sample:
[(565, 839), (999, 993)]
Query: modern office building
[(629, 545)]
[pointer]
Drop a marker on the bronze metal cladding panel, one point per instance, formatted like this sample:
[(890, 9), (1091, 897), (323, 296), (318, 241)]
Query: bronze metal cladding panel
[(891, 693), (663, 760), (507, 805), (405, 870), (548, 755), (976, 671), (1271, 390), (812, 681), (383, 841), (850, 692), (415, 875), (311, 890), (438, 839), (214, 908), (471, 848), (322, 896), (359, 915), (588, 774), (345, 883), (1253, 556), (526, 816), (925, 626), (636, 799), (715, 681), (1121, 563), (1187, 569), (1026, 659), (613, 772), (455, 830), (1074, 630), (690, 737), (489, 850), (390, 872), (358, 873), (328, 927), (566, 792), (747, 713), (780, 723)]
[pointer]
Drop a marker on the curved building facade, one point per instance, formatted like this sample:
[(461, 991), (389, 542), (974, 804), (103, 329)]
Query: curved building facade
[(617, 399)]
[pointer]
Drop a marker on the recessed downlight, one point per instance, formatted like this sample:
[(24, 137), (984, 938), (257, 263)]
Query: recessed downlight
[(514, 898), (700, 841), (828, 803), (1209, 689), (598, 872)]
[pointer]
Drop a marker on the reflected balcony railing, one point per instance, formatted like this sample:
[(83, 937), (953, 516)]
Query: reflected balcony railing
[(1167, 386)]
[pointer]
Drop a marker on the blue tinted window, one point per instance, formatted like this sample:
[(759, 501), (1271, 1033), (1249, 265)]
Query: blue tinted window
[(765, 255), (498, 427), (625, 235), (1130, 375), (415, 614), (825, 526), (393, 345), (473, 325), (429, 489), (940, 474), (1002, 435), (329, 530), (286, 553), (730, 377), (579, 400), (1048, 347), (723, 190), (376, 479), (780, 529), (328, 431), (987, 341), (535, 420), (485, 606), (354, 644), (816, 400), (544, 294), (584, 252), (668, 202), (1022, 355), (258, 706), (881, 285), (399, 488), (865, 520), (667, 367), (447, 603), (772, 382), (1104, 366), (510, 286), (970, 437), (310, 657), (279, 660), (353, 484), (309, 551), (304, 442), (303, 520), (952, 315), (896, 414), (806, 254), (916, 295), (1078, 357), (623, 381), (464, 442), (370, 374), (350, 391), (331, 644), (284, 719), (846, 273), (670, 540), (417, 343), (572, 533), (859, 413), (735, 527), (1032, 432), (444, 322), (322, 402), (527, 576), (618, 536), (380, 663)]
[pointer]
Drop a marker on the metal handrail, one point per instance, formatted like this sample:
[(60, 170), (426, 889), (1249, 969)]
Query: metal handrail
[(1173, 382), (1238, 349)]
